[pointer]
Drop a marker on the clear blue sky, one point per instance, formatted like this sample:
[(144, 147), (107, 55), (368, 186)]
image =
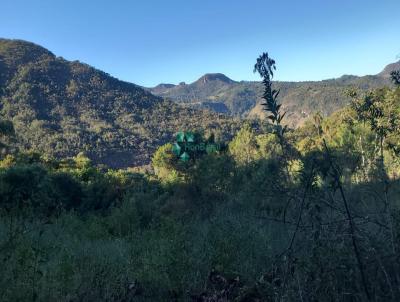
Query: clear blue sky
[(167, 41)]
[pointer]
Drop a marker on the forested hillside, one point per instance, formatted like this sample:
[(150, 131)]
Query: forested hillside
[(300, 99), (273, 214), (210, 190), (61, 108)]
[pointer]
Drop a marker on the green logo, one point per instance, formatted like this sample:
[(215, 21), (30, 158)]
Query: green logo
[(185, 145)]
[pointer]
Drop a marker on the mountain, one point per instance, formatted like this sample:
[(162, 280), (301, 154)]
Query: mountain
[(389, 68), (61, 108), (214, 77), (299, 99), (212, 91)]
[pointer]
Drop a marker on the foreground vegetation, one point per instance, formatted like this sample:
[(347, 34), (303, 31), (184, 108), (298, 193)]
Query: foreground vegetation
[(277, 215)]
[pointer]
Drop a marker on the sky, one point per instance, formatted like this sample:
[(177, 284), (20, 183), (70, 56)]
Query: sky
[(170, 41)]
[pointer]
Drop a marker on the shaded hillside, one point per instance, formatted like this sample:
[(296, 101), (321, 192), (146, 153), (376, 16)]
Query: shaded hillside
[(300, 99), (275, 213), (61, 108)]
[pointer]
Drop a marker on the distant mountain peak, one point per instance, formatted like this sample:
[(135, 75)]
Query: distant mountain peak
[(210, 77), (164, 85), (389, 68)]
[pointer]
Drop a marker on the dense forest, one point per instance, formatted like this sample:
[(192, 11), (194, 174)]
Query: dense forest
[(275, 214), (61, 108)]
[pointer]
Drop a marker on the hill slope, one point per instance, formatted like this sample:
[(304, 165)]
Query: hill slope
[(300, 99), (385, 73), (61, 108)]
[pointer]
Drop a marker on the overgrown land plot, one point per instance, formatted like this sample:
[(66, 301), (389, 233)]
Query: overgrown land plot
[(255, 211)]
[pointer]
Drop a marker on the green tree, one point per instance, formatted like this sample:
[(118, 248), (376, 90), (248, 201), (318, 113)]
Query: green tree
[(165, 163), (395, 76), (6, 130), (243, 147), (380, 110)]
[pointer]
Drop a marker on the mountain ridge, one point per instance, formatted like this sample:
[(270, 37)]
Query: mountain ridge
[(300, 99), (60, 108), (219, 76), (389, 68), (209, 77)]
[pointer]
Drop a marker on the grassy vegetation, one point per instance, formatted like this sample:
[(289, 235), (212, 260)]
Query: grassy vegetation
[(253, 222), (276, 214)]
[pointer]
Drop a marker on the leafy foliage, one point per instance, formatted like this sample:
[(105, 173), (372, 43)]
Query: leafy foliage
[(61, 108), (6, 131), (395, 75), (241, 224)]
